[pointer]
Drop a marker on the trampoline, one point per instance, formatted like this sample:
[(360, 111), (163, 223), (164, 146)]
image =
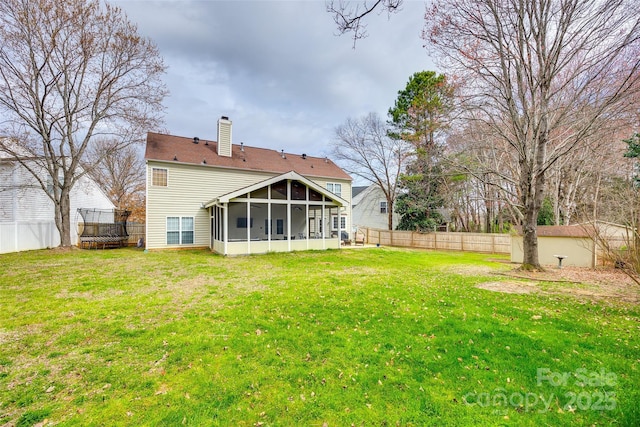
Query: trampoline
[(103, 227)]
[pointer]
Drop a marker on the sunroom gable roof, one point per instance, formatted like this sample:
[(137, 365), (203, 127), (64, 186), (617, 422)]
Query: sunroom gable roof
[(292, 175)]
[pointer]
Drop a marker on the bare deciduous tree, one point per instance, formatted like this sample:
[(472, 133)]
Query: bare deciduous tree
[(541, 75), (121, 173), (70, 71), (363, 147)]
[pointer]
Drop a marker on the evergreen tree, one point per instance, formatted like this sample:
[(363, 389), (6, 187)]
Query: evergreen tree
[(419, 116)]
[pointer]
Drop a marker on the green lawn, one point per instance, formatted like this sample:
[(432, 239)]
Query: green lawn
[(375, 337)]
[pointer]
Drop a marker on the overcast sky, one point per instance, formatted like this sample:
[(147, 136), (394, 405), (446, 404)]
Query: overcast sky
[(277, 68)]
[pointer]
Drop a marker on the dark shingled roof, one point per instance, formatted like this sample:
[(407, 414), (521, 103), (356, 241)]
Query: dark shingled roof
[(357, 190), (167, 147)]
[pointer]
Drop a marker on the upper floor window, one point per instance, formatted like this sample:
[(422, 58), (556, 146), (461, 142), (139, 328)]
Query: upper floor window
[(335, 188), (159, 177), (383, 207)]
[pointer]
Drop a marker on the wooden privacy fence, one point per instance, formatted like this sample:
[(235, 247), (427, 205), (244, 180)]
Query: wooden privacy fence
[(470, 242), (136, 232)]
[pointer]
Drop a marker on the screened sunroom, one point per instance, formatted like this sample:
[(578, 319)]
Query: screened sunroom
[(284, 213)]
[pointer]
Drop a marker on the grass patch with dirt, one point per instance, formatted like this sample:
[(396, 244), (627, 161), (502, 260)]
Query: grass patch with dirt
[(365, 337)]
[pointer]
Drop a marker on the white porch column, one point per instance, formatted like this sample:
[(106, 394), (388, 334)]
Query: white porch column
[(225, 226), (324, 224), (249, 226), (306, 221), (269, 217), (212, 226), (289, 215)]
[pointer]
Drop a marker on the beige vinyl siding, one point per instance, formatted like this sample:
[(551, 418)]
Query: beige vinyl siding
[(346, 186), (188, 187), (346, 195)]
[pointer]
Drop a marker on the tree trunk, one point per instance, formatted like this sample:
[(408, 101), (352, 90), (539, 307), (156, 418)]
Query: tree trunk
[(533, 192), (530, 259), (488, 219), (556, 200), (390, 214), (63, 218)]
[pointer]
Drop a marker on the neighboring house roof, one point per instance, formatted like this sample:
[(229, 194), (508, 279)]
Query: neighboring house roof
[(177, 149), (289, 175), (357, 197), (357, 190)]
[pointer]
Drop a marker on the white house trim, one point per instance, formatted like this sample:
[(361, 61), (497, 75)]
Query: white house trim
[(225, 198)]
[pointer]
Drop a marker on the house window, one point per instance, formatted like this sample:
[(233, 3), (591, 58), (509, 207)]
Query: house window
[(334, 222), (159, 177), (173, 230), (383, 207), (335, 188), (279, 226), (180, 230), (187, 230), (242, 222)]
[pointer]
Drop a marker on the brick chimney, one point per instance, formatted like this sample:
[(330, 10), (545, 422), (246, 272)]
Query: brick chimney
[(224, 136)]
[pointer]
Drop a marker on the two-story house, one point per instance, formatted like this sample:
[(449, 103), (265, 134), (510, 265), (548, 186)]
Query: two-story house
[(236, 199), (370, 208), (27, 214)]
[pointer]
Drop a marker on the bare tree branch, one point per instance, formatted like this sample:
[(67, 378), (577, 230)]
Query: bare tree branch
[(71, 71), (542, 75), (349, 17), (364, 149)]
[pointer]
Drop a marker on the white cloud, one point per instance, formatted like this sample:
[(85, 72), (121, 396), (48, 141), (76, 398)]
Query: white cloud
[(276, 68)]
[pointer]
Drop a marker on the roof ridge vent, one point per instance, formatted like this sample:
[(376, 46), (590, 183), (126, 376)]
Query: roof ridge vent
[(282, 154), (196, 140)]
